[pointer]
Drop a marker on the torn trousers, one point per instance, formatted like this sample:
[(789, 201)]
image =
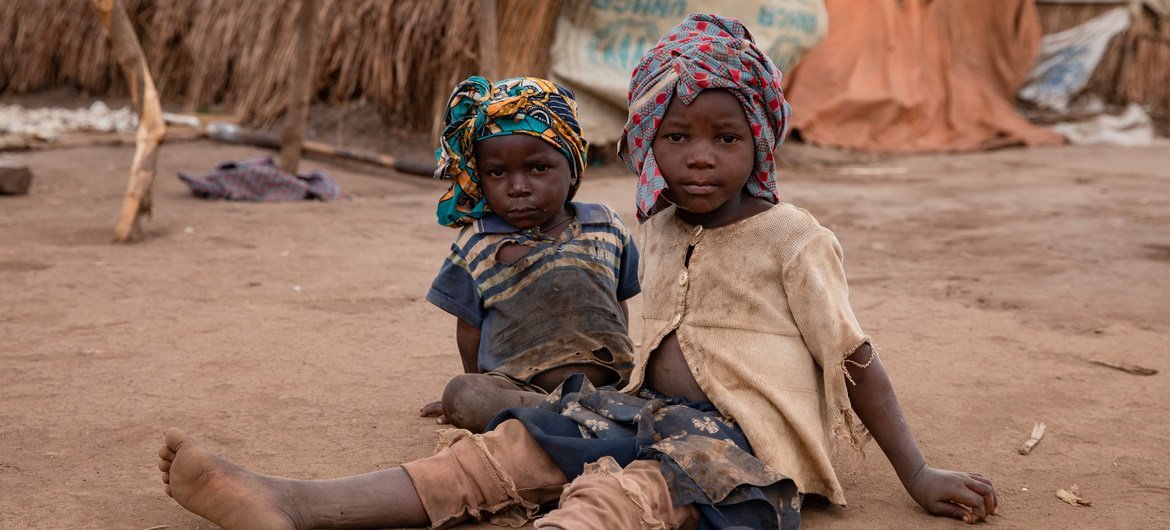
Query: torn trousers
[(504, 476)]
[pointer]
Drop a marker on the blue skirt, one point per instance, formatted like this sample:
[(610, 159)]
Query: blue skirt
[(705, 458)]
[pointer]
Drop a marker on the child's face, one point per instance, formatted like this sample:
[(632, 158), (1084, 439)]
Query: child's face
[(706, 153), (525, 180)]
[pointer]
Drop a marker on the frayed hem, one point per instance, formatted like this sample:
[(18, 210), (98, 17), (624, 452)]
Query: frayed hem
[(607, 467), (843, 423), (513, 511)]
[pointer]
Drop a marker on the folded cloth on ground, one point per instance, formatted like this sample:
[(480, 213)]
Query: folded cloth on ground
[(259, 179)]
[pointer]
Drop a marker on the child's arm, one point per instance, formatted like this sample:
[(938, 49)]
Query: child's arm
[(966, 496), (467, 339)]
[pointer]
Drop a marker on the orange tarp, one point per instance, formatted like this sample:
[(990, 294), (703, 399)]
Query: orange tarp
[(918, 75)]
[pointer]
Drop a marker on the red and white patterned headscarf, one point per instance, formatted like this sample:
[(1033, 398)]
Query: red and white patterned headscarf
[(703, 52)]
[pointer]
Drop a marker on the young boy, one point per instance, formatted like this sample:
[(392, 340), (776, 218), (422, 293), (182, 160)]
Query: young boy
[(751, 356), (538, 284)]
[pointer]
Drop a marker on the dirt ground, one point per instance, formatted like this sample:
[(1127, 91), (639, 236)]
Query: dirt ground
[(295, 339)]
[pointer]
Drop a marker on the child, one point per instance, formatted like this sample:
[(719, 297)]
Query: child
[(751, 356), (515, 155)]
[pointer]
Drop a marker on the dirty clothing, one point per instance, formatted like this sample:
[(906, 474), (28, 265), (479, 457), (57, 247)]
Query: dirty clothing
[(503, 476), (557, 305), (631, 462), (704, 457), (260, 179), (609, 496), (516, 384), (761, 312)]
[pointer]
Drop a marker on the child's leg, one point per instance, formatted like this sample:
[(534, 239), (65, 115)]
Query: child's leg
[(607, 496), (504, 473), (470, 401), (233, 497), (474, 475)]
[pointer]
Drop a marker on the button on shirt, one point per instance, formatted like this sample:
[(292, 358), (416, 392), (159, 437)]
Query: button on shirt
[(763, 319)]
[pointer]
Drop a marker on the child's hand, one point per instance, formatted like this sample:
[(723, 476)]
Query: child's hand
[(434, 409), (966, 496)]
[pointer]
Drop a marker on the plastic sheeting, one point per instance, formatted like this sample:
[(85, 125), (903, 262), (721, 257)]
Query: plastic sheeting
[(599, 42), (1159, 7), (1131, 127), (1068, 58), (919, 75), (50, 123)]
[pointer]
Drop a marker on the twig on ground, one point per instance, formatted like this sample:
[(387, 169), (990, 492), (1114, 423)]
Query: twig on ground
[(1037, 434), (1072, 496), (1127, 368)]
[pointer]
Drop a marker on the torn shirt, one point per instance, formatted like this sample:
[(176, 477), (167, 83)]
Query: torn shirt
[(763, 318), (557, 305)]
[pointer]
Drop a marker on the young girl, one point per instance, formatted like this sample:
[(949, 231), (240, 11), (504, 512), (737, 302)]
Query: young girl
[(515, 157), (751, 359)]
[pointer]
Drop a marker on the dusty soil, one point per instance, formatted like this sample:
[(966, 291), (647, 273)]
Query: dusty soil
[(295, 338)]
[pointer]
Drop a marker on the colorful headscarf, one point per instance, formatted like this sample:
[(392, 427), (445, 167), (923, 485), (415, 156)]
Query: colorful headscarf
[(479, 109), (704, 52)]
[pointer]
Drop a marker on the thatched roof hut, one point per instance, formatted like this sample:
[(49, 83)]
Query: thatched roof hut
[(402, 56)]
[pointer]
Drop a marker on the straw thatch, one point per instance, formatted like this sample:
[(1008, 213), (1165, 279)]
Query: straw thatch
[(526, 34), (402, 56), (1136, 65)]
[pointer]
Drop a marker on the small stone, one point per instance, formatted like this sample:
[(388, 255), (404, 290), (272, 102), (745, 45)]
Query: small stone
[(15, 178)]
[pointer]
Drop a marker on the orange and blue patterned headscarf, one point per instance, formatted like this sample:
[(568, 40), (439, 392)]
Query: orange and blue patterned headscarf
[(703, 52), (479, 109)]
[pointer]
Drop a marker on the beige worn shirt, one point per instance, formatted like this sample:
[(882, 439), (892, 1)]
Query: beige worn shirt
[(763, 317)]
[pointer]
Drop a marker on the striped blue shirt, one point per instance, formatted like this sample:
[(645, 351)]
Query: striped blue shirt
[(557, 305)]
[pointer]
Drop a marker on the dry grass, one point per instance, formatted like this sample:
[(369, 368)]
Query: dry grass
[(403, 56), (526, 33)]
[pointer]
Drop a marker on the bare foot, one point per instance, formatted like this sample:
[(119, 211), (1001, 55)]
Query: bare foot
[(219, 491)]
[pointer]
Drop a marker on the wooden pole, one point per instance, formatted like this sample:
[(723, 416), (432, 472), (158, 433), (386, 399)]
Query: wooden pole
[(151, 128), (231, 133), (489, 47), (297, 117)]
